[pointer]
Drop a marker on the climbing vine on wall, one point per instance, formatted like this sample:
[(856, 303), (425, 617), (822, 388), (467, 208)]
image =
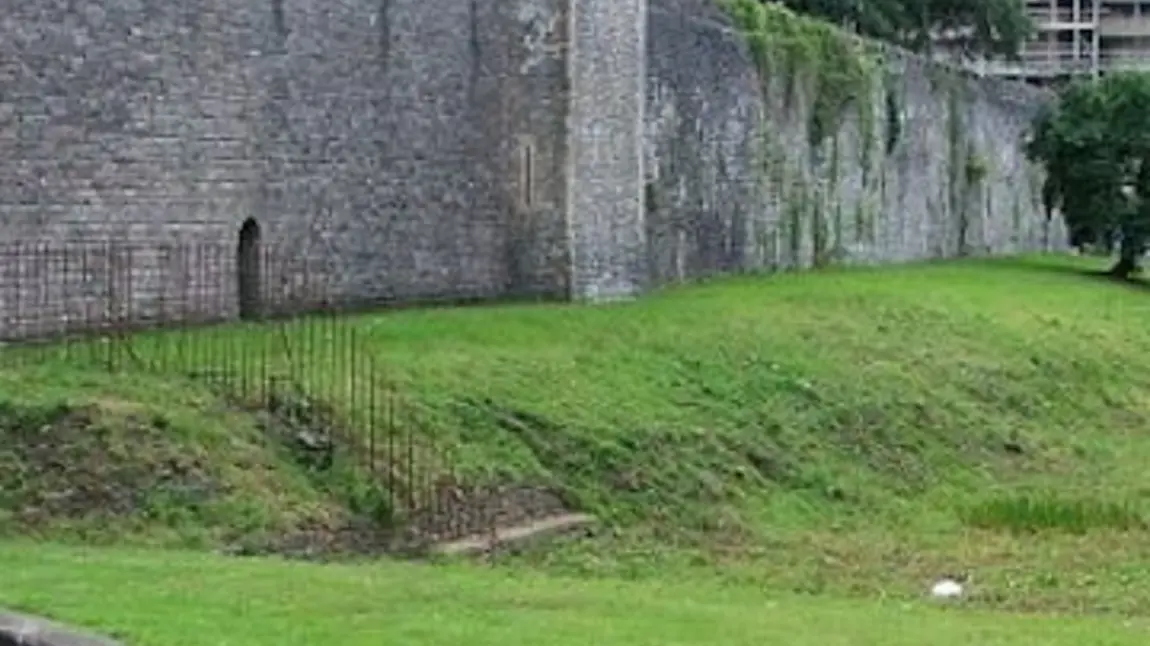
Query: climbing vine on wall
[(838, 69)]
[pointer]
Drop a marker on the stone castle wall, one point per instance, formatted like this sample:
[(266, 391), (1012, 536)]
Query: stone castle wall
[(379, 144), (397, 150)]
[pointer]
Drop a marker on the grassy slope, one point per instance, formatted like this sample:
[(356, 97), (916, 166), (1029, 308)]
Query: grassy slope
[(93, 457), (174, 599), (838, 432), (844, 430)]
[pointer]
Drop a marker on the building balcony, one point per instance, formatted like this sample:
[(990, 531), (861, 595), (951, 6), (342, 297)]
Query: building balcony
[(1130, 26), (1061, 18), (1049, 63)]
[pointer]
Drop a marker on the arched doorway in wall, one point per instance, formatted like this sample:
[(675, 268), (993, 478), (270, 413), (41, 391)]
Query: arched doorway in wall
[(248, 269)]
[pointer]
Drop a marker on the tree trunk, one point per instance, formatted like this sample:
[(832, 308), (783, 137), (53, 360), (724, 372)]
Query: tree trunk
[(1129, 259)]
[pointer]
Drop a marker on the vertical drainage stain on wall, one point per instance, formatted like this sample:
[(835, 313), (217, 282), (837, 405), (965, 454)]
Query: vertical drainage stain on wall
[(526, 173), (383, 24), (279, 22), (476, 52)]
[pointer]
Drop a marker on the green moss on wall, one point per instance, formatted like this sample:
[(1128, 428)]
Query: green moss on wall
[(977, 167)]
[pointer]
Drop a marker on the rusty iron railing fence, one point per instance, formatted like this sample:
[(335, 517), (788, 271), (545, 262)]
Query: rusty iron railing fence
[(256, 326)]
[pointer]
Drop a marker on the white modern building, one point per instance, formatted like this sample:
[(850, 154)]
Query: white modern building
[(1077, 37)]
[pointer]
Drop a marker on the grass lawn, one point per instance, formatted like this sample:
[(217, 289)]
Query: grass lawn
[(187, 599)]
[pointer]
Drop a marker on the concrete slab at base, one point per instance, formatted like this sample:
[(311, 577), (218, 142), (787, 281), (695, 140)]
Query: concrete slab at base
[(513, 535), (24, 630)]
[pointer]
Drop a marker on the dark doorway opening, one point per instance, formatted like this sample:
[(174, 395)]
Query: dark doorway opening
[(248, 269)]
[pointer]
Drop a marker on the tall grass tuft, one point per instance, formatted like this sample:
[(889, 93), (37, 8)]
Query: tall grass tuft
[(1032, 513)]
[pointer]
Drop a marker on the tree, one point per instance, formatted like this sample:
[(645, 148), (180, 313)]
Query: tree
[(990, 28), (1094, 144)]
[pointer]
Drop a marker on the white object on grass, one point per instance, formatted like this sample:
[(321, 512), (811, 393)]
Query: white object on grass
[(946, 589)]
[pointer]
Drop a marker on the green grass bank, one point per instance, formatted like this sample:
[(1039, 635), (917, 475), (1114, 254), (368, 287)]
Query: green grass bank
[(854, 432)]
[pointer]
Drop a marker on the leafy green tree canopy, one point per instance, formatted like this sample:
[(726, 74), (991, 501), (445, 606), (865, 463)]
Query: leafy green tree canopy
[(1094, 143), (991, 28)]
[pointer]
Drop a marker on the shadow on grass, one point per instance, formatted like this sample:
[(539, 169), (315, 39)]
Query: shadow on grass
[(1079, 269)]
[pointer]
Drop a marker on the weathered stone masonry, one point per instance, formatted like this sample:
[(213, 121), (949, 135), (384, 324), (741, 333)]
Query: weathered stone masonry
[(734, 183), (378, 143), (409, 149)]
